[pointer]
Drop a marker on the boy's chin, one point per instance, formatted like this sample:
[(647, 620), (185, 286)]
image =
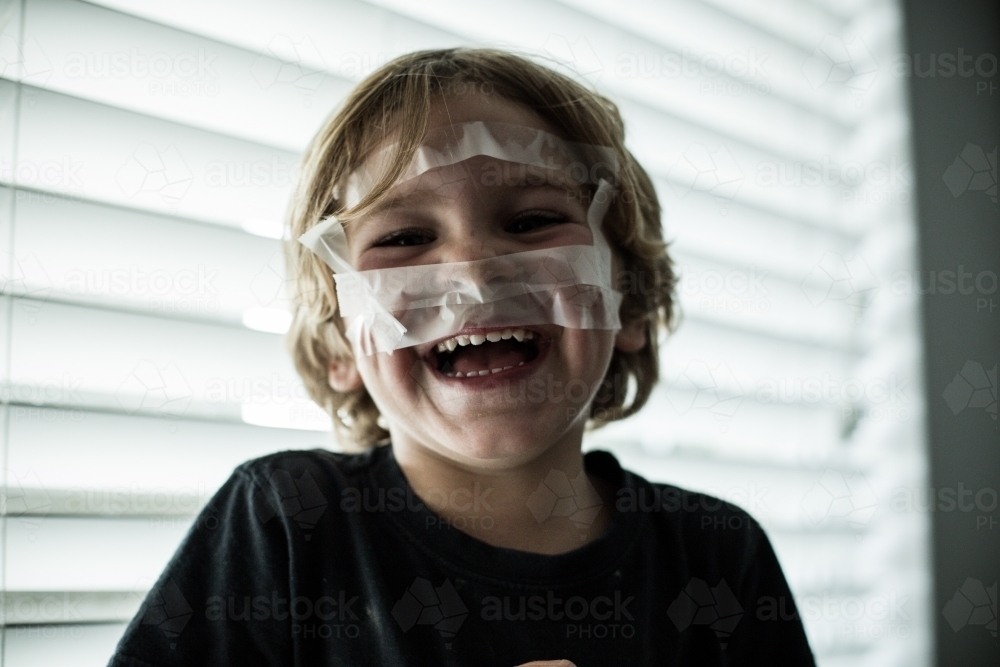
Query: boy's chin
[(496, 450), (505, 438)]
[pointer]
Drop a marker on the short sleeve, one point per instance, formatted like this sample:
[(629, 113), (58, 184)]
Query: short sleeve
[(218, 602)]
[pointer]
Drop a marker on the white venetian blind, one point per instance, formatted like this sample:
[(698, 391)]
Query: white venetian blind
[(148, 150)]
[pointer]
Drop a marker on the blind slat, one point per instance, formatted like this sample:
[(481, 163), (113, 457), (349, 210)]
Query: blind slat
[(61, 645), (125, 158), (90, 253), (130, 63), (131, 363)]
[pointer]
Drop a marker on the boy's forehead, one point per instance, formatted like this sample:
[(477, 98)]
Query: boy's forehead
[(478, 106), (478, 145), (475, 107), (483, 177)]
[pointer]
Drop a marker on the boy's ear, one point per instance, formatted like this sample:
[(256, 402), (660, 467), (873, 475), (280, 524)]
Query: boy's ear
[(632, 336), (343, 376)]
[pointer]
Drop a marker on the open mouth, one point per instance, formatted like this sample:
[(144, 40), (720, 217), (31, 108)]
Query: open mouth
[(486, 352)]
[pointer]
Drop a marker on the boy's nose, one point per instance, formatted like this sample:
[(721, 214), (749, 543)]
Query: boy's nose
[(472, 250), (476, 271), (470, 235)]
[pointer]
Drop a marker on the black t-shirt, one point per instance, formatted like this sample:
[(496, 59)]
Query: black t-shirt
[(317, 558)]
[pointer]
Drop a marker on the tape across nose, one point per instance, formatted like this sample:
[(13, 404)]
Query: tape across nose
[(487, 268)]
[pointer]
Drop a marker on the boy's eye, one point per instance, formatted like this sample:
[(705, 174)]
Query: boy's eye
[(404, 237), (530, 221)]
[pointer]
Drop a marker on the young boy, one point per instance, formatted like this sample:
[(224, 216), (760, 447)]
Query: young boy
[(485, 277)]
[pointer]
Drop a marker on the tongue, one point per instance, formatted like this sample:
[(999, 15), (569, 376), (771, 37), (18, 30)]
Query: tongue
[(488, 356)]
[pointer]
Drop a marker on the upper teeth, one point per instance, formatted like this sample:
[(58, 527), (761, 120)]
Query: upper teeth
[(479, 339)]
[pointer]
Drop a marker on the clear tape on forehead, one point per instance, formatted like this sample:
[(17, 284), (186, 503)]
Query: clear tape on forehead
[(394, 308), (572, 162)]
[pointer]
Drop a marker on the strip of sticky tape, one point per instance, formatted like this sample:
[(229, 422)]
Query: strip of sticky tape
[(578, 163), (394, 308)]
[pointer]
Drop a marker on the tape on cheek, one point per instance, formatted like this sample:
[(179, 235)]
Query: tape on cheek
[(373, 322), (329, 242)]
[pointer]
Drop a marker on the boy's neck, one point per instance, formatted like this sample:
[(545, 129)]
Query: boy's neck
[(546, 504)]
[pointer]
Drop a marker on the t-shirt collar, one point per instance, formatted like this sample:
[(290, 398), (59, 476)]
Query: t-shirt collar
[(440, 540)]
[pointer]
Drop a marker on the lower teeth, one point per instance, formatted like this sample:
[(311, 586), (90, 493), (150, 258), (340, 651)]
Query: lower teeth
[(458, 374)]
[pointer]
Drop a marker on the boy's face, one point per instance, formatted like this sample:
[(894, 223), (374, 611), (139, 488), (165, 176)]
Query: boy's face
[(504, 400)]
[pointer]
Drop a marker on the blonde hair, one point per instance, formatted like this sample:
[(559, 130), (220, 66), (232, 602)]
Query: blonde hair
[(396, 101)]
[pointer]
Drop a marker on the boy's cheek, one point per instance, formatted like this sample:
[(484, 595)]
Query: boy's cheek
[(588, 351), (390, 377)]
